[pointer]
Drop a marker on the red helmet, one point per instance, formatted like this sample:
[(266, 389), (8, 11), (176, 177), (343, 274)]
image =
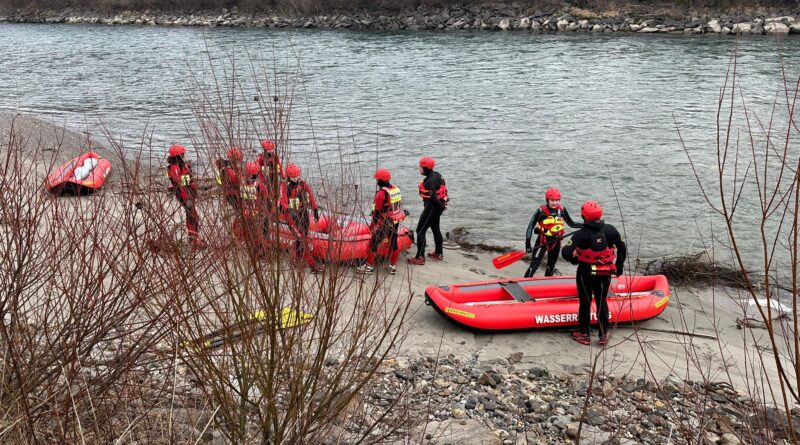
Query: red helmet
[(234, 154), (252, 169), (427, 162), (292, 171), (591, 211), (552, 193), (383, 175), (267, 145), (177, 150)]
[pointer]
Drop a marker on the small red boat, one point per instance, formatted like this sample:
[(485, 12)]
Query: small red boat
[(84, 174), (544, 302), (344, 239)]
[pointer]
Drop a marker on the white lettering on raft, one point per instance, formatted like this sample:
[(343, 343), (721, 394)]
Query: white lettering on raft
[(563, 318)]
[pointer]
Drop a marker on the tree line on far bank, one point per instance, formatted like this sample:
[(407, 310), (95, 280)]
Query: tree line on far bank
[(321, 6)]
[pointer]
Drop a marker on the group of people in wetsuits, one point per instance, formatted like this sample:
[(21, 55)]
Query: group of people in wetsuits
[(596, 248), (260, 191)]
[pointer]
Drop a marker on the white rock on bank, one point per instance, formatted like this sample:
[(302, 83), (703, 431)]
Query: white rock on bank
[(776, 28), (562, 24), (504, 25), (525, 23), (648, 30), (743, 28), (714, 26)]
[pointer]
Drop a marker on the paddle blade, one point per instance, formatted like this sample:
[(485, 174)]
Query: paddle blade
[(507, 259)]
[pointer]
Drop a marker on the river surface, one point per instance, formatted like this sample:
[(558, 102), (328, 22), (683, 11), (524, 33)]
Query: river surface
[(505, 115)]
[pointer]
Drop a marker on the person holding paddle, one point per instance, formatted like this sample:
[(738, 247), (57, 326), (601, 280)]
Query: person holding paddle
[(599, 251), (548, 223)]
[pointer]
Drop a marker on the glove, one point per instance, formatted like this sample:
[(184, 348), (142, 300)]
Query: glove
[(188, 204), (316, 214), (619, 270), (536, 230), (528, 248)]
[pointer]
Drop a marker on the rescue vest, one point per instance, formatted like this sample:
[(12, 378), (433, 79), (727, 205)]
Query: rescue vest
[(426, 194), (551, 225), (600, 257), (297, 199), (393, 207), (224, 180), (185, 176), (249, 192)]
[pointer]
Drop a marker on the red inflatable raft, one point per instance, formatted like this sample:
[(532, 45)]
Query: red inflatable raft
[(343, 239), (545, 302), (86, 173)]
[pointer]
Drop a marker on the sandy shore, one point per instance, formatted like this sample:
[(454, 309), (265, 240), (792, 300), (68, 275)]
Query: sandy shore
[(710, 346)]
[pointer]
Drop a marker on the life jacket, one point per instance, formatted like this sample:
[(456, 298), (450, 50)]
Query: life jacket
[(297, 199), (185, 175), (270, 167), (552, 225), (393, 207), (248, 192), (226, 177), (600, 257), (426, 194)]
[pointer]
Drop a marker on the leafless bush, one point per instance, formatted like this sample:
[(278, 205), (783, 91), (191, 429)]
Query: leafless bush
[(76, 301)]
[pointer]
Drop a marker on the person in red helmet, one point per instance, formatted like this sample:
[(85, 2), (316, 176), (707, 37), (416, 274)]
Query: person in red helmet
[(228, 177), (272, 176), (180, 177), (548, 223), (269, 163), (296, 201), (433, 191), (253, 195), (599, 251), (387, 213)]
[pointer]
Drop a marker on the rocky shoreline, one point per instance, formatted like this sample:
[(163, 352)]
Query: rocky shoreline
[(498, 17)]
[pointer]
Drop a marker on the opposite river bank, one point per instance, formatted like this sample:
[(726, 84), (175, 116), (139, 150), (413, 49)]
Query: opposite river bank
[(478, 17)]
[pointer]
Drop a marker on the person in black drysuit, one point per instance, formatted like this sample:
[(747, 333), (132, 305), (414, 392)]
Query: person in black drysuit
[(435, 203), (548, 223), (599, 251)]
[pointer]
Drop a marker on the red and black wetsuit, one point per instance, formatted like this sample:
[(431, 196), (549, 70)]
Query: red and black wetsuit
[(386, 217), (296, 200), (548, 223), (431, 213), (180, 177), (253, 196), (599, 251), (228, 179)]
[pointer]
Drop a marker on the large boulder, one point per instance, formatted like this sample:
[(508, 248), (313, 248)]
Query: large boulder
[(743, 28), (714, 26), (776, 28)]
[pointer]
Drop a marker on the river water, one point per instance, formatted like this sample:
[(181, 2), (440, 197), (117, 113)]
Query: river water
[(506, 115)]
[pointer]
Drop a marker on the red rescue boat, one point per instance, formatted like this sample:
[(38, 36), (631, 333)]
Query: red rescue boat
[(544, 302), (84, 174), (344, 239)]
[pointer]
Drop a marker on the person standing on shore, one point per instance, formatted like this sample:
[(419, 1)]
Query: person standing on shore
[(296, 201), (271, 178), (180, 176), (433, 192), (253, 196), (387, 213), (599, 251), (548, 223), (228, 177)]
